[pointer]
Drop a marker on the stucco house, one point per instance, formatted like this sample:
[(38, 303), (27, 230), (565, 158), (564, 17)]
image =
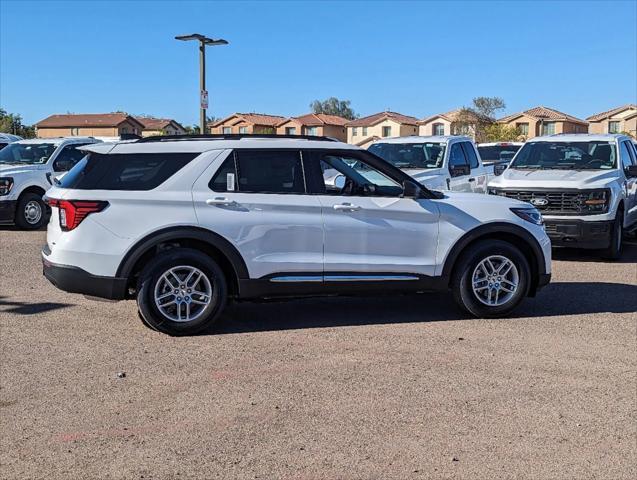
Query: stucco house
[(447, 123), (617, 120), (247, 123), (540, 121), (315, 124), (364, 131), (88, 125), (160, 126)]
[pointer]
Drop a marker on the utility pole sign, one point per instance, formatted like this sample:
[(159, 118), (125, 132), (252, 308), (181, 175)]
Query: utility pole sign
[(204, 99)]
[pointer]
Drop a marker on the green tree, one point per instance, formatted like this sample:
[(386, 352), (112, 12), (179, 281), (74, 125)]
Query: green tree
[(334, 106), (478, 118), (499, 132), (12, 123)]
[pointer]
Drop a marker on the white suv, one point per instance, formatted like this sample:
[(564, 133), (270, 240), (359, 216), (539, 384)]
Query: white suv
[(27, 169), (183, 223), (584, 185)]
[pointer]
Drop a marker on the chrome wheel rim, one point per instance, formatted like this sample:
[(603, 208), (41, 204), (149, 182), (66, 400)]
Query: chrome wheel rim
[(183, 293), (495, 280), (32, 212)]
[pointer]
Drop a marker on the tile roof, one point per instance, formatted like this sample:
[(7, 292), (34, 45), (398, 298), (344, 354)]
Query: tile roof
[(151, 123), (452, 115), (253, 118), (312, 119), (85, 120), (379, 117), (610, 113), (544, 113)]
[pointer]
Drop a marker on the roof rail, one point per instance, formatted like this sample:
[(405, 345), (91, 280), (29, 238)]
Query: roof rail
[(231, 136)]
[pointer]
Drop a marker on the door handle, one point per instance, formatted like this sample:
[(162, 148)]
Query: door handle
[(220, 201), (472, 179), (346, 207)]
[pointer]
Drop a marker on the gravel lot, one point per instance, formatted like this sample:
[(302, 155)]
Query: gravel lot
[(372, 388)]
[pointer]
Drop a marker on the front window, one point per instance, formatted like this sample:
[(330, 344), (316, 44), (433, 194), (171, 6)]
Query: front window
[(438, 129), (548, 128), (411, 155), (613, 127), (566, 156), (387, 131), (348, 176), (32, 153)]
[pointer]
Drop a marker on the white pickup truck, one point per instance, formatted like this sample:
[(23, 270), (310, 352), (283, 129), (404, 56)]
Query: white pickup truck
[(27, 169), (584, 185), (438, 162)]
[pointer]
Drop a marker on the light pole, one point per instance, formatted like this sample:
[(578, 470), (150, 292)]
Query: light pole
[(203, 94)]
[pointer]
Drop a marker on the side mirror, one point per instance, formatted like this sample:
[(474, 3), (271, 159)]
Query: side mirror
[(459, 170), (499, 168), (411, 189), (631, 171)]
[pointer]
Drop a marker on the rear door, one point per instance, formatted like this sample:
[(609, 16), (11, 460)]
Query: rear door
[(257, 199)]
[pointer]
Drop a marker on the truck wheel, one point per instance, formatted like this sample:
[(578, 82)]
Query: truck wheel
[(31, 212), (491, 279), (181, 292), (614, 250)]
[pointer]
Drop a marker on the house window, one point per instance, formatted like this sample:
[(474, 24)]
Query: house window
[(438, 129), (354, 131), (243, 129), (75, 131), (364, 131), (387, 131), (290, 130), (523, 127), (548, 128), (227, 130), (311, 130), (124, 130), (613, 127)]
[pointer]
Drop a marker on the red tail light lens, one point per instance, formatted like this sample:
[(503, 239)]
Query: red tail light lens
[(72, 212)]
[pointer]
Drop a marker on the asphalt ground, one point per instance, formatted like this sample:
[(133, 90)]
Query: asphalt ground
[(384, 387)]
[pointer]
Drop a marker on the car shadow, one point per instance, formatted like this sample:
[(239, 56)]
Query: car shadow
[(25, 308), (629, 254), (559, 298)]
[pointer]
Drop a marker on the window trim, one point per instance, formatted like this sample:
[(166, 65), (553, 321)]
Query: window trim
[(466, 160), (465, 146)]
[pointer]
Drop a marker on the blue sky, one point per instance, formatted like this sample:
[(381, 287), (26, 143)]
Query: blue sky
[(417, 58)]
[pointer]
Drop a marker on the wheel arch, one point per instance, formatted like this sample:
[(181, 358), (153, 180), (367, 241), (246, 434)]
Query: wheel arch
[(32, 189), (219, 248), (507, 232)]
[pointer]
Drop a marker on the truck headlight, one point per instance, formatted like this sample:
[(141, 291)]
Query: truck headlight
[(6, 184), (596, 201), (532, 215)]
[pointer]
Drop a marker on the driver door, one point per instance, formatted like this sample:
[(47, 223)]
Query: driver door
[(369, 229), (459, 169)]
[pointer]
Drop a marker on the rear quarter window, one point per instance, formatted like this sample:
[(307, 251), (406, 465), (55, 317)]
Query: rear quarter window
[(142, 171)]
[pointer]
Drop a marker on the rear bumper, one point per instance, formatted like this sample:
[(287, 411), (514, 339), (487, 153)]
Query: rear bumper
[(7, 211), (579, 233), (75, 280)]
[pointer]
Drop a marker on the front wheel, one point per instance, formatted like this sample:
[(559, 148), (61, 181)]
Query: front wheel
[(181, 292), (491, 279), (31, 212)]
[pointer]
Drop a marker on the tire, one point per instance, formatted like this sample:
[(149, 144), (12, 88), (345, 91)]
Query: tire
[(156, 280), (468, 267), (31, 212), (614, 250)]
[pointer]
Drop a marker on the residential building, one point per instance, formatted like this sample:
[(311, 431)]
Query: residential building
[(88, 125), (540, 121), (160, 126), (617, 120), (314, 124), (247, 123), (447, 123), (364, 131)]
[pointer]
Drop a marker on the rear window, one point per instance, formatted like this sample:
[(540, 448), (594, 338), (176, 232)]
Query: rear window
[(498, 153), (142, 171)]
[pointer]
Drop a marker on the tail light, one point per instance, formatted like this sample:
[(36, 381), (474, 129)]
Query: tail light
[(72, 212)]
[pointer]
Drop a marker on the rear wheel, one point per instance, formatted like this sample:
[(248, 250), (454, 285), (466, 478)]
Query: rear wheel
[(491, 279), (181, 292), (614, 250), (31, 212)]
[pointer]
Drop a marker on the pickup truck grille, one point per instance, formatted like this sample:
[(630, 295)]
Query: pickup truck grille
[(558, 203)]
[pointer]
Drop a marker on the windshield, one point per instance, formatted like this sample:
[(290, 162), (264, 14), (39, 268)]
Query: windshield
[(566, 156), (411, 155), (498, 153), (31, 153)]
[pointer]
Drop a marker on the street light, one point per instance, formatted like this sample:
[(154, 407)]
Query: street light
[(203, 94)]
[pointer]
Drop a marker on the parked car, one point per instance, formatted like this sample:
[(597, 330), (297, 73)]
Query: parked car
[(7, 138), (584, 185), (438, 162), (182, 224), (498, 152), (27, 169)]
